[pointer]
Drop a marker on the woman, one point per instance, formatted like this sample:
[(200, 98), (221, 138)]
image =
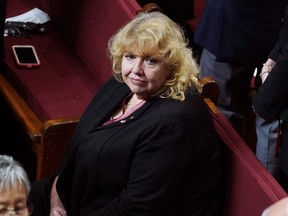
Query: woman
[(146, 143), (271, 100), (14, 188)]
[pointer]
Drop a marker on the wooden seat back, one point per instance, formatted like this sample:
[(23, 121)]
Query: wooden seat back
[(248, 187)]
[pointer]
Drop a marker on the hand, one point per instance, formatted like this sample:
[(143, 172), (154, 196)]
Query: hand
[(56, 206), (264, 74), (58, 212), (266, 69), (278, 208)]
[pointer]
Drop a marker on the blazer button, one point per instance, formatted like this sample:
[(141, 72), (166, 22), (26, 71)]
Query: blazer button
[(282, 21), (123, 121)]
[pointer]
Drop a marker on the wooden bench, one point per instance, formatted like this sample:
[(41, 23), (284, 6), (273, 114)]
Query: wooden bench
[(248, 187), (35, 96), (48, 101)]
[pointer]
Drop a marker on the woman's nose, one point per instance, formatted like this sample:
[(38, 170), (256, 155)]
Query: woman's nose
[(137, 67)]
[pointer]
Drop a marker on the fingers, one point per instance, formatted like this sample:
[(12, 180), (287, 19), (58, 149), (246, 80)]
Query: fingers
[(56, 213)]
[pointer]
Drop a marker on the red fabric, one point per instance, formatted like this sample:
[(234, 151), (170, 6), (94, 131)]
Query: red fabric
[(73, 53), (278, 140), (198, 8), (250, 187), (61, 88)]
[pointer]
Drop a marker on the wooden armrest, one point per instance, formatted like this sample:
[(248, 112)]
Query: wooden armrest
[(210, 89), (246, 179), (31, 122), (49, 139), (150, 7), (57, 134)]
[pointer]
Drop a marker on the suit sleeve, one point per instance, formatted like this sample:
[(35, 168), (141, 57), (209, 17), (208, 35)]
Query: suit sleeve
[(271, 97), (274, 54)]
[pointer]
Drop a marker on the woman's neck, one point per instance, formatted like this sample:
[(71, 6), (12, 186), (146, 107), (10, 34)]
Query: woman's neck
[(129, 105)]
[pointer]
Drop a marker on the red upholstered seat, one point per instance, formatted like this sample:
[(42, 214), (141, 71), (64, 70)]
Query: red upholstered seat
[(198, 8), (249, 187), (61, 87), (73, 53)]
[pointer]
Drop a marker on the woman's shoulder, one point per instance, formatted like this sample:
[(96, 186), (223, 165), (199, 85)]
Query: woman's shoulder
[(193, 100), (193, 108)]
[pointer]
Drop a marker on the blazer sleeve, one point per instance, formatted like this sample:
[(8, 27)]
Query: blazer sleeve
[(271, 98), (274, 54)]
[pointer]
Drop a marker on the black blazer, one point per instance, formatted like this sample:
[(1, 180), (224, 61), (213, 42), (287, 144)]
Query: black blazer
[(271, 100), (240, 31), (161, 160)]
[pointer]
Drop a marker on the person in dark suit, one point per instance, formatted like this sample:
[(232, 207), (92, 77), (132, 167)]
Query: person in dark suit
[(236, 36), (271, 99), (146, 144)]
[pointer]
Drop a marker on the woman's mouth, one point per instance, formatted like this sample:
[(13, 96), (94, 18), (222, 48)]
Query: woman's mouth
[(137, 81)]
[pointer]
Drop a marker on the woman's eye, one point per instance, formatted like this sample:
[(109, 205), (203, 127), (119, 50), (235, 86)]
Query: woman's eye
[(129, 57), (151, 61)]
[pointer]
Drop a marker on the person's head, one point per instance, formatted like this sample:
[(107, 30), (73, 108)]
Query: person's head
[(151, 55), (14, 188)]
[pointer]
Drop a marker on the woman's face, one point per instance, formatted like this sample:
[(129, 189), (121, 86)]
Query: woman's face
[(14, 201), (144, 75)]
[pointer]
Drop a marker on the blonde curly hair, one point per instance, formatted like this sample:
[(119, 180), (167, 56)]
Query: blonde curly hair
[(155, 33)]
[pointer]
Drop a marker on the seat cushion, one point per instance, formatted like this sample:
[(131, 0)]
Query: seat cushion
[(73, 53)]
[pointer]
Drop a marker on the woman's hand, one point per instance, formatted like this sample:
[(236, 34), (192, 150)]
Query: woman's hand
[(56, 206), (58, 212), (264, 75), (266, 69)]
